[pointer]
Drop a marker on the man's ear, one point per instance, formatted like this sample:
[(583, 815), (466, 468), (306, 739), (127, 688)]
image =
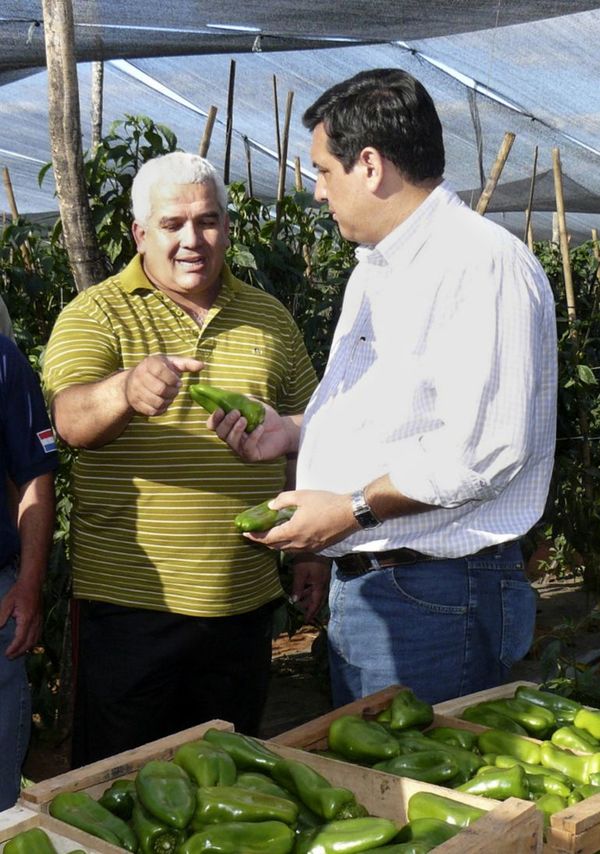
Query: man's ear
[(139, 235), (371, 163)]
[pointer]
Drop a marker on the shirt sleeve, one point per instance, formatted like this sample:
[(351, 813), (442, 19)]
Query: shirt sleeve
[(27, 439), (82, 347), (301, 379), (485, 369)]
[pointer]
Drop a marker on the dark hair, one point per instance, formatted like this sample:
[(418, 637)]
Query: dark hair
[(385, 108)]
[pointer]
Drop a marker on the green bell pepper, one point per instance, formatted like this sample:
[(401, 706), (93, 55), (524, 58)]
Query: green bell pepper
[(580, 793), (359, 740), (313, 790), (206, 764), (119, 798), (589, 720), (550, 804), (546, 784), (537, 720), (153, 835), (432, 830), (217, 804), (430, 766), (32, 841), (508, 762), (411, 740), (563, 708), (167, 792), (576, 739), (235, 837), (406, 710), (454, 736), (261, 783), (415, 846), (80, 810), (498, 783), (247, 753), (212, 398), (480, 714), (350, 836), (575, 767), (430, 805), (499, 741), (262, 518)]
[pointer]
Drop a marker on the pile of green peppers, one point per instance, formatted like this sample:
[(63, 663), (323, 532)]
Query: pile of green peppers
[(538, 746), (230, 794)]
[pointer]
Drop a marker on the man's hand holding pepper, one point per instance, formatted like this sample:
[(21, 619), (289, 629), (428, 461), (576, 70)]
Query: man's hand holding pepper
[(277, 436), (321, 519)]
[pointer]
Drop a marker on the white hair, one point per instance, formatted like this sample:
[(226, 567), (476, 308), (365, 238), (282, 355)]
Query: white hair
[(177, 167)]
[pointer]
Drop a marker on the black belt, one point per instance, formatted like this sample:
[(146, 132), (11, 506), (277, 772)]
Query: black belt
[(358, 563)]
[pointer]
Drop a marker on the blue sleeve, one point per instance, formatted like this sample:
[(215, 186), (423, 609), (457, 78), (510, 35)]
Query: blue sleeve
[(26, 438)]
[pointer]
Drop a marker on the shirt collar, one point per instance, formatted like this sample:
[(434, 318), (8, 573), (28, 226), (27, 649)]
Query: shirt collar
[(409, 236), (133, 278)]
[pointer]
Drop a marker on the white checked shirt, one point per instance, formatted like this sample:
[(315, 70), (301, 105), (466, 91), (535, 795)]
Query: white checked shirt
[(442, 374)]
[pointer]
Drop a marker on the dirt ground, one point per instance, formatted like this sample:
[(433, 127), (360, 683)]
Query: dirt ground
[(299, 690)]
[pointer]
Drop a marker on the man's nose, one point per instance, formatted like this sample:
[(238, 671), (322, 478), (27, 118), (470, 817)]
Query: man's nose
[(320, 193), (191, 233)]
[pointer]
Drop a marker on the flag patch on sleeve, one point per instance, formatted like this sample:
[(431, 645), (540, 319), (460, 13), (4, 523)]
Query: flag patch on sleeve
[(47, 442)]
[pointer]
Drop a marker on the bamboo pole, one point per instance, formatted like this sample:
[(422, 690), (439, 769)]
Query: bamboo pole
[(12, 203), (208, 129), (97, 99), (572, 316), (528, 236), (298, 175), (248, 166), (276, 108), (494, 177), (229, 125), (284, 147), (563, 236)]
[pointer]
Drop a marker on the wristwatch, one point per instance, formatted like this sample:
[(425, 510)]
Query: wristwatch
[(362, 512)]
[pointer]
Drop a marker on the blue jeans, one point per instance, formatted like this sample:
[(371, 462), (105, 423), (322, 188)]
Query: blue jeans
[(444, 628), (15, 707)]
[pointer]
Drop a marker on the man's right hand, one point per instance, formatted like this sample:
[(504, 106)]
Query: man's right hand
[(277, 436), (152, 385)]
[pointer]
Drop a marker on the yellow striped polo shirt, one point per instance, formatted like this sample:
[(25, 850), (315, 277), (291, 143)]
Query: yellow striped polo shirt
[(152, 521)]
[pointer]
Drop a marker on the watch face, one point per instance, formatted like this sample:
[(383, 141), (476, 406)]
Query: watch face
[(362, 512)]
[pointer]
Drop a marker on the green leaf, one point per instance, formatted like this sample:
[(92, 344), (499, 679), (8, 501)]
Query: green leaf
[(586, 375)]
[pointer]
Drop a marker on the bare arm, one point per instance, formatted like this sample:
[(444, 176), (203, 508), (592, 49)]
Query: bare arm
[(89, 415), (35, 525)]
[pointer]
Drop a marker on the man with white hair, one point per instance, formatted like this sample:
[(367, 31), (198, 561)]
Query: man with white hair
[(174, 605)]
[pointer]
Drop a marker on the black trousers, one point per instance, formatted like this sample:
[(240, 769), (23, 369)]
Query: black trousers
[(141, 675)]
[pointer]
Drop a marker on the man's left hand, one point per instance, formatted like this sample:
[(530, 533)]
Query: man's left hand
[(321, 519), (310, 584), (22, 602)]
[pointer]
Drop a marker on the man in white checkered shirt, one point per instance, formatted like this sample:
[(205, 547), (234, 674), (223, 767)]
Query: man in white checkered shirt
[(427, 449)]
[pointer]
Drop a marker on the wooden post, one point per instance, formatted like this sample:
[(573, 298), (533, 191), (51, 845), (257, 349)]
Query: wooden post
[(276, 108), (284, 147), (65, 142), (563, 236), (208, 129), (250, 191), (229, 125), (528, 236), (97, 96), (494, 177), (298, 175), (12, 203), (586, 455)]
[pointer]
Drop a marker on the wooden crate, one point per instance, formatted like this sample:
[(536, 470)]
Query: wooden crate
[(97, 776), (512, 827), (459, 704), (64, 837)]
